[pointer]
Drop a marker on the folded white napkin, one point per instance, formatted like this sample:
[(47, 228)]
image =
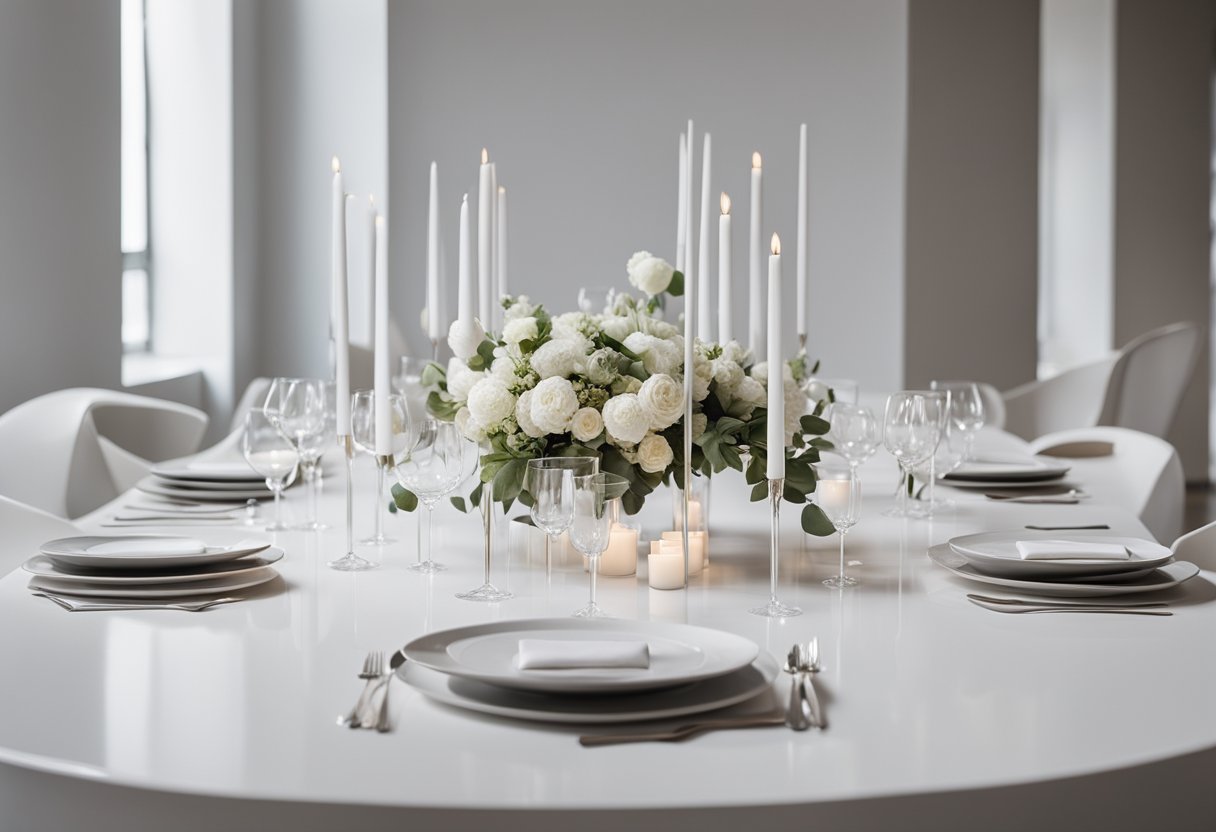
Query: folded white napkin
[(149, 546), (546, 654), (1071, 550)]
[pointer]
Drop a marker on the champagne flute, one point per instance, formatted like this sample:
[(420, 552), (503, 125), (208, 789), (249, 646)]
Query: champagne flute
[(838, 493), (271, 455), (433, 470), (595, 499), (363, 432), (912, 428), (298, 405), (549, 481)]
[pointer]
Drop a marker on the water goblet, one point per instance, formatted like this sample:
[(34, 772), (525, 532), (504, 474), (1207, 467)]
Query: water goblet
[(434, 468), (912, 428), (363, 432), (298, 406), (595, 498), (838, 493), (549, 482), (271, 455)]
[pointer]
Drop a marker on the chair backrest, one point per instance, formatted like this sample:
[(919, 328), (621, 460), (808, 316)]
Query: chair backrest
[(994, 405), (25, 529), (1072, 399), (1198, 547), (55, 450), (1149, 379), (1143, 475)]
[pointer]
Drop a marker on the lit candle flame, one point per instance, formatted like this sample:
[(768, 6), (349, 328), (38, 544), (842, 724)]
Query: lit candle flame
[(334, 164), (776, 244), (725, 203), (485, 156), (502, 189), (466, 198), (756, 159), (379, 221)]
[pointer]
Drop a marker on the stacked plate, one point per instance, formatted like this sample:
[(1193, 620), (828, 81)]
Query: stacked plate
[(146, 567), (688, 669), (206, 481), (994, 558), (1007, 472)]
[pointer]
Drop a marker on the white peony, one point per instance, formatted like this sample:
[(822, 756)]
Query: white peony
[(727, 374), (490, 401), (750, 391), (650, 274), (503, 369), (663, 397), (586, 424), (602, 366), (619, 327), (558, 358), (699, 423), (523, 415), (654, 454), (734, 351), (520, 308), (571, 326), (470, 427), (461, 382), (464, 337), (520, 329), (703, 374), (553, 404), (760, 372), (626, 418), (658, 355), (795, 407)]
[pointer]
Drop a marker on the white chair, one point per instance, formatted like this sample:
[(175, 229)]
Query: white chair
[(71, 451), (1198, 547), (1143, 475), (25, 529), (994, 405), (1149, 379), (254, 396), (1072, 399)]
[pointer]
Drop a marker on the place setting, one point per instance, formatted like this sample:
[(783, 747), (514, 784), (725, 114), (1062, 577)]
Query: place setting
[(136, 572)]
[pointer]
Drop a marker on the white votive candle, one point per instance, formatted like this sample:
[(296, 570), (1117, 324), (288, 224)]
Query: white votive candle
[(621, 556), (833, 495), (673, 542), (665, 571)]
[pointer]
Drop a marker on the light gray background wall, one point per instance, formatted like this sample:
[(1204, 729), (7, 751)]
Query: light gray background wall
[(60, 271), (581, 105), (972, 191)]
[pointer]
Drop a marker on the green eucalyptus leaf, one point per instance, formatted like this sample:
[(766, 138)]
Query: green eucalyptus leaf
[(815, 522), (404, 499), (760, 491), (676, 287), (459, 503), (814, 424)]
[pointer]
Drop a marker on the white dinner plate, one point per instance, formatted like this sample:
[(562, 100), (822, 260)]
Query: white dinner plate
[(45, 567), (996, 553), (160, 488), (679, 654), (210, 586), (1004, 485), (236, 470), (75, 552), (211, 485), (1009, 469), (698, 697), (1164, 577)]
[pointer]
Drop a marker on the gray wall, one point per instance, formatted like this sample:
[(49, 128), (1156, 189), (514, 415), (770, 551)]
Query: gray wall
[(971, 214), (1162, 169), (60, 269), (581, 105)]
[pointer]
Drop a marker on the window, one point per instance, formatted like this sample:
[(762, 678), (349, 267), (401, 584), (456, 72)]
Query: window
[(136, 271)]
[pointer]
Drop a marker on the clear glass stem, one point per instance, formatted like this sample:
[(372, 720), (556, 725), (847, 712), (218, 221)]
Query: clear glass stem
[(429, 525), (842, 533), (593, 563), (310, 475), (901, 501), (277, 488), (379, 498), (932, 484), (548, 554), (419, 558), (350, 498)]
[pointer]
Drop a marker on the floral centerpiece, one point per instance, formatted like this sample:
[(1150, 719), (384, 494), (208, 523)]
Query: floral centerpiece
[(612, 385)]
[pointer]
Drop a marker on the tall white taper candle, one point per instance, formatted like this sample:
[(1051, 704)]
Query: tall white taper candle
[(802, 251), (500, 236), (434, 324), (485, 250), (495, 296), (383, 364), (464, 300), (705, 322), (690, 311), (339, 299), (776, 369), (724, 279), (755, 289), (682, 205)]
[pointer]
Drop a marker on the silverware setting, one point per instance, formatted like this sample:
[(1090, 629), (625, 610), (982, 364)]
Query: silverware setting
[(197, 517), (373, 669), (1012, 605), (1093, 527), (80, 605), (684, 732), (803, 710)]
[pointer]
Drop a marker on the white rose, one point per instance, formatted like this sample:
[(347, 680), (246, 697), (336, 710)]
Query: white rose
[(553, 404), (618, 327), (626, 418), (571, 326), (635, 260), (654, 454), (703, 374), (602, 366), (650, 274), (462, 381), (699, 423), (658, 355), (557, 358), (520, 329), (750, 391), (816, 391), (727, 374), (586, 424), (521, 308), (503, 369), (523, 415), (464, 337), (490, 401), (470, 427), (795, 407), (663, 396), (658, 328), (734, 351), (760, 372)]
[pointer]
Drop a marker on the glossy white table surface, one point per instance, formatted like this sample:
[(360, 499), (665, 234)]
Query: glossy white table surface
[(926, 694)]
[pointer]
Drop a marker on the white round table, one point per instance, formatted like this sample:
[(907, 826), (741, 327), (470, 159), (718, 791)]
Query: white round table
[(942, 714)]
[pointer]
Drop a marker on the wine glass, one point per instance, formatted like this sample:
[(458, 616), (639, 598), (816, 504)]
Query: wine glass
[(947, 457), (855, 433), (549, 481), (966, 411), (595, 496), (408, 382), (298, 406), (594, 300), (838, 493), (271, 455), (911, 431), (433, 470), (363, 432)]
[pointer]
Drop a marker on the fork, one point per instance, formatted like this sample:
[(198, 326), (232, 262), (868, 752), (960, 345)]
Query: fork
[(92, 606), (811, 665), (373, 669)]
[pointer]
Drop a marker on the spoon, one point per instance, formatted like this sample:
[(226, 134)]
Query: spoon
[(382, 722), (798, 711)]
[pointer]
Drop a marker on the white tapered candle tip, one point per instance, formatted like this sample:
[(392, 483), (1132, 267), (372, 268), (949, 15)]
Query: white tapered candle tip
[(465, 198), (725, 203), (502, 189), (335, 164), (485, 156), (756, 159), (776, 244), (379, 221)]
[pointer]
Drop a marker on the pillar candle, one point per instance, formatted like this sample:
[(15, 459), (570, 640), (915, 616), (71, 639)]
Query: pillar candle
[(464, 305), (674, 541), (665, 571), (434, 325), (776, 369), (833, 495), (621, 556), (383, 363), (802, 252), (500, 236), (485, 255), (755, 290), (682, 205), (724, 279), (705, 326), (339, 315)]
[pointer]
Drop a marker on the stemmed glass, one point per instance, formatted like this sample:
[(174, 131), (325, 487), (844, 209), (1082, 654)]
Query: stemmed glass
[(270, 454), (363, 432), (595, 497), (911, 430), (298, 406), (947, 457), (839, 496), (550, 483), (855, 432), (433, 470), (966, 411)]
